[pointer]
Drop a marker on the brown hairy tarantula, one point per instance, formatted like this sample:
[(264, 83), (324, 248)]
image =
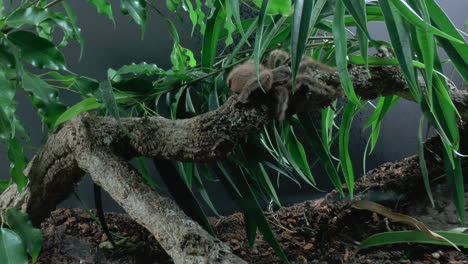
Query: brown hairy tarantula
[(275, 79)]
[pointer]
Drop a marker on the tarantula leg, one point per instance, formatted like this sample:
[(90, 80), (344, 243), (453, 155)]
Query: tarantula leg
[(281, 95), (266, 81)]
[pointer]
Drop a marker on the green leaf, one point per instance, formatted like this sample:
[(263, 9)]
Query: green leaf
[(202, 190), (76, 29), (213, 101), (339, 36), (109, 100), (183, 195), (395, 237), (34, 16), (251, 208), (257, 52), (283, 7), (453, 169), (18, 163), (137, 70), (44, 20), (31, 237), (189, 107), (44, 98), (287, 155), (4, 185), (103, 7), (458, 53), (422, 161), (427, 47), (273, 35), (400, 37), (214, 26), (137, 10), (144, 171), (11, 248), (235, 12), (408, 13), (7, 106), (250, 228), (345, 159), (81, 107), (299, 156), (38, 51), (299, 34), (357, 9), (321, 150), (383, 106)]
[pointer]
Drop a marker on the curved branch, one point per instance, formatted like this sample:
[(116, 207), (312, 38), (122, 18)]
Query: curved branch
[(99, 146)]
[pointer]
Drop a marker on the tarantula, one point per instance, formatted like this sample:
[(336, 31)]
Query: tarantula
[(275, 79)]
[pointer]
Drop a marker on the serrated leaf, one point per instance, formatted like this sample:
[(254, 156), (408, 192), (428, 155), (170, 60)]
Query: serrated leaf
[(38, 51), (31, 237), (103, 7), (44, 98), (12, 248), (32, 16), (136, 70), (76, 29), (44, 20), (137, 10)]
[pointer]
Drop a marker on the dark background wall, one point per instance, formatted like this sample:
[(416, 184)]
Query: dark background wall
[(108, 46)]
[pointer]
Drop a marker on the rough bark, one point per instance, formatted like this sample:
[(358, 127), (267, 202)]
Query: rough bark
[(98, 146)]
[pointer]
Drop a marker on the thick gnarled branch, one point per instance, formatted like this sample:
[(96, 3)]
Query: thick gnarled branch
[(99, 146)]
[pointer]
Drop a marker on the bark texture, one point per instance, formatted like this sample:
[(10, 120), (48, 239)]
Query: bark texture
[(98, 146)]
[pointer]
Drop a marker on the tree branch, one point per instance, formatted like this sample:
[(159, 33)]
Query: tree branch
[(99, 146)]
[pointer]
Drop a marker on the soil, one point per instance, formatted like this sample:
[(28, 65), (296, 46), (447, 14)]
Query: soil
[(327, 230)]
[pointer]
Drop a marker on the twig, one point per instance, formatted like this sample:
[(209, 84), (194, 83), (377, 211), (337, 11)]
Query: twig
[(52, 3)]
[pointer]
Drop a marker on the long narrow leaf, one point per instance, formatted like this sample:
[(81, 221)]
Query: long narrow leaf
[(339, 36), (257, 53), (395, 237), (458, 53), (400, 37), (345, 158), (321, 151), (211, 37), (299, 33), (408, 13), (251, 208)]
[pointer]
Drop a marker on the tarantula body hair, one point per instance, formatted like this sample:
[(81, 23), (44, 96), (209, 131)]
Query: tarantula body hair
[(243, 80)]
